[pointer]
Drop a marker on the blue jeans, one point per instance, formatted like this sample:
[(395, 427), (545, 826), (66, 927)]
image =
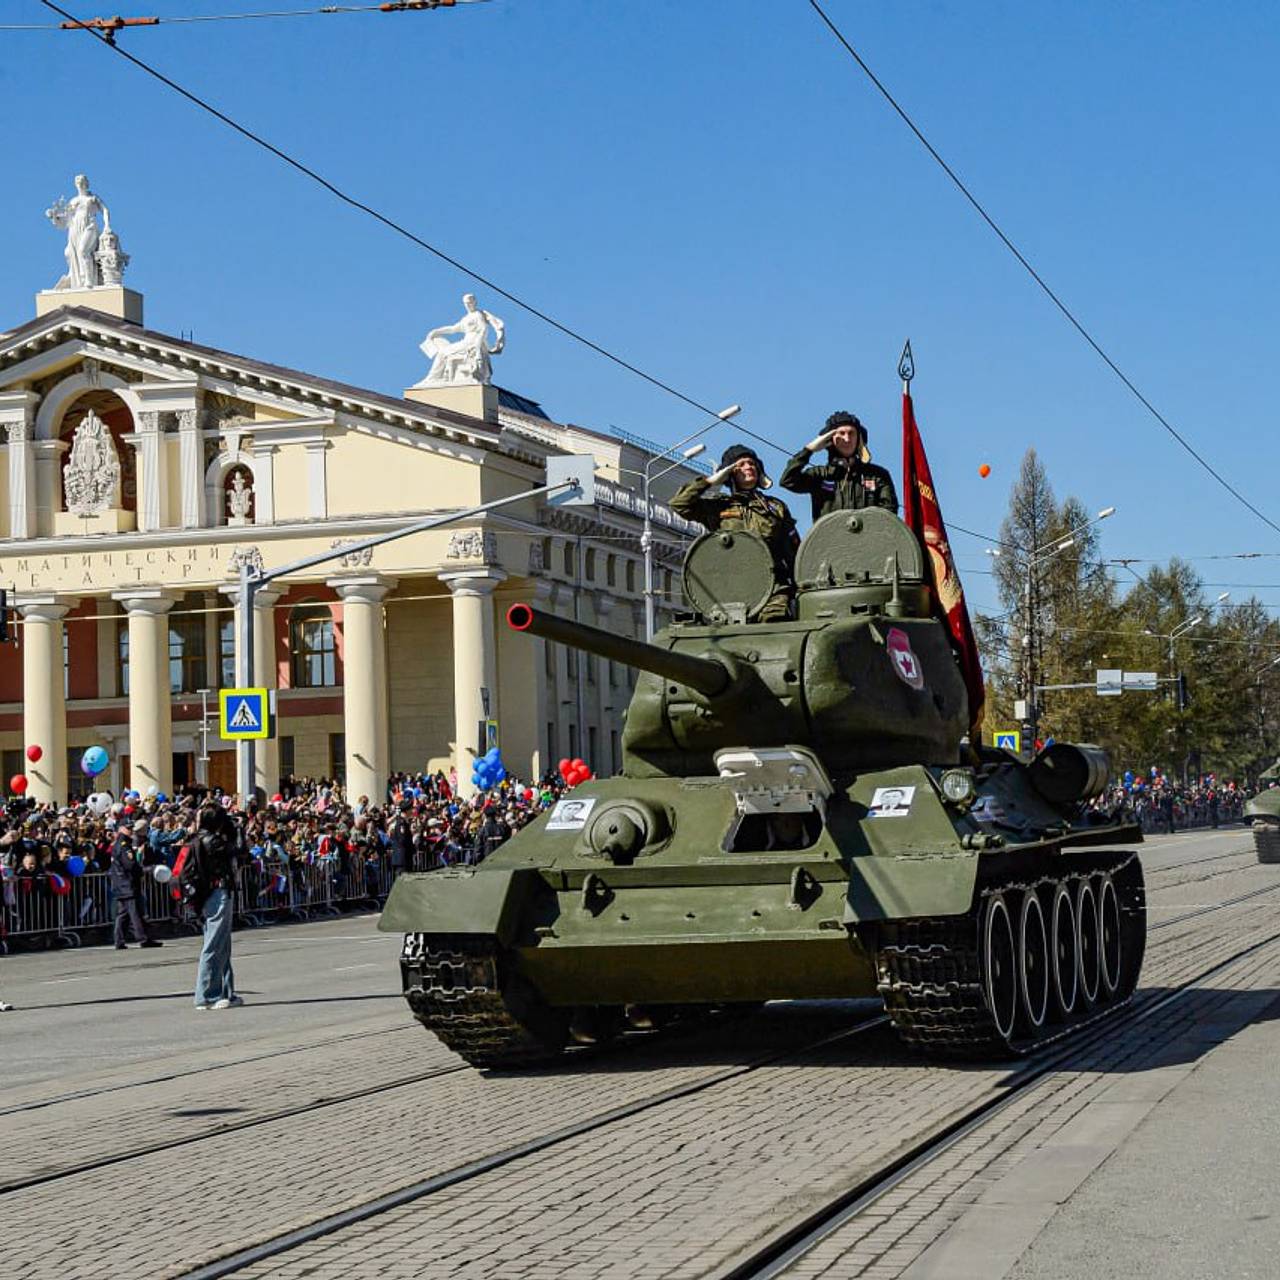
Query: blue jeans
[(214, 980)]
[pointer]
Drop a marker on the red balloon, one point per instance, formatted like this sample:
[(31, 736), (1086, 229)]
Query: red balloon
[(18, 783), (563, 766), (579, 764), (528, 794), (984, 471), (277, 798), (34, 753)]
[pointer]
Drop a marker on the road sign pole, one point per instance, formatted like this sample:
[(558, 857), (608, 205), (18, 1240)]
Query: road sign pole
[(247, 749)]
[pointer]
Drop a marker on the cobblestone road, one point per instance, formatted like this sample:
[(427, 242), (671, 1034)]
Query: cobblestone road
[(681, 1190)]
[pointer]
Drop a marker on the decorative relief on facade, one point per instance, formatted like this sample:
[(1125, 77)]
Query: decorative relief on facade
[(186, 419), (93, 254), (361, 559), (473, 544), (536, 564), (239, 498), (243, 555), (465, 361), (17, 432), (92, 372), (91, 478)]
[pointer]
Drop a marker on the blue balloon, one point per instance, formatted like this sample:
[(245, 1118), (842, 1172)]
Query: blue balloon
[(492, 754), (76, 865), (94, 761), (501, 775)]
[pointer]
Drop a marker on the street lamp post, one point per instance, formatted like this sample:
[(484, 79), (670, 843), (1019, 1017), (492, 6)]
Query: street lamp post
[(1036, 556), (646, 537)]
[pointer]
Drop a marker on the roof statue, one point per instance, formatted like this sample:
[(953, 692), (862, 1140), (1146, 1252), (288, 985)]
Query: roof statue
[(466, 360), (91, 479), (94, 256)]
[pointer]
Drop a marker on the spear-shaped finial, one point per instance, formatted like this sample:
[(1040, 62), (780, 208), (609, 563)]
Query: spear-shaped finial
[(906, 367)]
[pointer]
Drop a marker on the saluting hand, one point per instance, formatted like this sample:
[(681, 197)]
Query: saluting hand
[(719, 477), (819, 442)]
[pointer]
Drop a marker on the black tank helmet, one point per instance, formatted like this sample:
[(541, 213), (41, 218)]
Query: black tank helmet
[(736, 452), (843, 418)]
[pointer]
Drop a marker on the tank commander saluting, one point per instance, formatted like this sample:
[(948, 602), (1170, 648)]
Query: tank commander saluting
[(746, 507), (850, 480)]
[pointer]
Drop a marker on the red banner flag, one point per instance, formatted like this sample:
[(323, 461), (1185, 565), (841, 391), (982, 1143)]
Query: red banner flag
[(923, 516)]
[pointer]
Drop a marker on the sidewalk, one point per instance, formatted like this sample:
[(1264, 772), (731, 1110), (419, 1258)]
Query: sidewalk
[(1191, 1193)]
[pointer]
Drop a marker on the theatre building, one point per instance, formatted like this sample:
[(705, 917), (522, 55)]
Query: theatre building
[(143, 470)]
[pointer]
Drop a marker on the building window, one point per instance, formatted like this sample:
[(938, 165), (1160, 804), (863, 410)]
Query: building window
[(573, 742), (589, 572), (613, 751), (666, 584), (66, 663), (227, 652), (570, 560), (338, 757), (552, 754), (593, 759), (613, 674), (631, 575), (186, 647), (611, 571), (313, 653), (15, 763), (549, 653), (122, 657), (546, 554), (571, 662), (79, 784), (287, 756), (590, 660)]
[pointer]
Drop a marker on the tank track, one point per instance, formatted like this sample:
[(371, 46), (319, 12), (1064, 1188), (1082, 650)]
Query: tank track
[(1266, 840), (462, 991), (930, 975)]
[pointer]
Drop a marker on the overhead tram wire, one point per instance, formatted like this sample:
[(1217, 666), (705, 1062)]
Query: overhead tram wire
[(1035, 275), (115, 24), (404, 231)]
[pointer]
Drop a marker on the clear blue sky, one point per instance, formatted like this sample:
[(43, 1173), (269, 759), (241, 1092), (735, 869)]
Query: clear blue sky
[(712, 189)]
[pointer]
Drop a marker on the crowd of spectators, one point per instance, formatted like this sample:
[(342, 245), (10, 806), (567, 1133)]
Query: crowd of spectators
[(421, 823), (1163, 804)]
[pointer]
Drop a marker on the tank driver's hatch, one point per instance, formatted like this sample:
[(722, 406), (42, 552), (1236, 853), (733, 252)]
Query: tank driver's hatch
[(728, 576), (848, 548)]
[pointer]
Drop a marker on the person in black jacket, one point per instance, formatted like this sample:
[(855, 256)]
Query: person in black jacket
[(850, 480), (207, 880), (125, 876), (400, 842)]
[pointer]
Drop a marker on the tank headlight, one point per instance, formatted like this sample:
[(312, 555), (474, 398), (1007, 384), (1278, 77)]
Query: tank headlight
[(959, 787)]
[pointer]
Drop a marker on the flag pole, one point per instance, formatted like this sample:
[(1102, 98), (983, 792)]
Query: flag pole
[(906, 368)]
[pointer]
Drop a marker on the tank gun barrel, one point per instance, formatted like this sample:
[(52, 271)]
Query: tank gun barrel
[(708, 676)]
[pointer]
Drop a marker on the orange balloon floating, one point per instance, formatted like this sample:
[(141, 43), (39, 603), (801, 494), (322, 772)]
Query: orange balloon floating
[(984, 471)]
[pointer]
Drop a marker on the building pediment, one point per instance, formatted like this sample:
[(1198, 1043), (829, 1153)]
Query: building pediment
[(41, 353)]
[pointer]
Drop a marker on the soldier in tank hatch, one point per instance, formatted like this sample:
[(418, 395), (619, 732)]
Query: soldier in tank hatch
[(747, 507), (850, 480)]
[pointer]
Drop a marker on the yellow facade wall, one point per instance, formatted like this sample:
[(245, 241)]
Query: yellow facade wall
[(368, 474), (420, 677)]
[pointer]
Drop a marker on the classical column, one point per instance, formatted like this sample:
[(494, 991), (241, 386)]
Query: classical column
[(17, 417), (475, 665), (153, 474), (47, 497), (44, 704), (191, 468), (264, 482), (522, 681), (364, 692), (150, 718)]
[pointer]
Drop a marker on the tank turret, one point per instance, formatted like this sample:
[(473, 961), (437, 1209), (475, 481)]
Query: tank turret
[(865, 676)]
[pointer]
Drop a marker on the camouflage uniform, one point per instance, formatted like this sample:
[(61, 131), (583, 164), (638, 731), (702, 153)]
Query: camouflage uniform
[(757, 513)]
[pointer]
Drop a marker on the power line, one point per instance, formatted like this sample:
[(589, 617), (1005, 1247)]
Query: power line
[(112, 25), (402, 230), (1035, 275)]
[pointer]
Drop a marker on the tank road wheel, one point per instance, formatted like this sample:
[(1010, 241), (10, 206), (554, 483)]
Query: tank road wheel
[(1000, 966), (1066, 963), (1033, 963), (1266, 840), (1110, 949), (1087, 933)]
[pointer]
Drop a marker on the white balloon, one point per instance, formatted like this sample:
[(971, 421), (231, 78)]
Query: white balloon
[(99, 803), (153, 790), (162, 874)]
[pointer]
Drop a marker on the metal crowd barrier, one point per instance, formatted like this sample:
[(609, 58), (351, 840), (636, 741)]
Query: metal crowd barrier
[(268, 891)]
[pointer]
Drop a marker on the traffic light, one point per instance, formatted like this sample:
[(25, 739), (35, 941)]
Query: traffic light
[(1183, 700)]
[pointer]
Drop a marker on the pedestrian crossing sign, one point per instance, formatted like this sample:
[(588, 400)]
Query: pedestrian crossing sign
[(1009, 740), (243, 713)]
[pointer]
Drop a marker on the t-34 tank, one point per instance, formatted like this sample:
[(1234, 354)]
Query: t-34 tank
[(797, 817)]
